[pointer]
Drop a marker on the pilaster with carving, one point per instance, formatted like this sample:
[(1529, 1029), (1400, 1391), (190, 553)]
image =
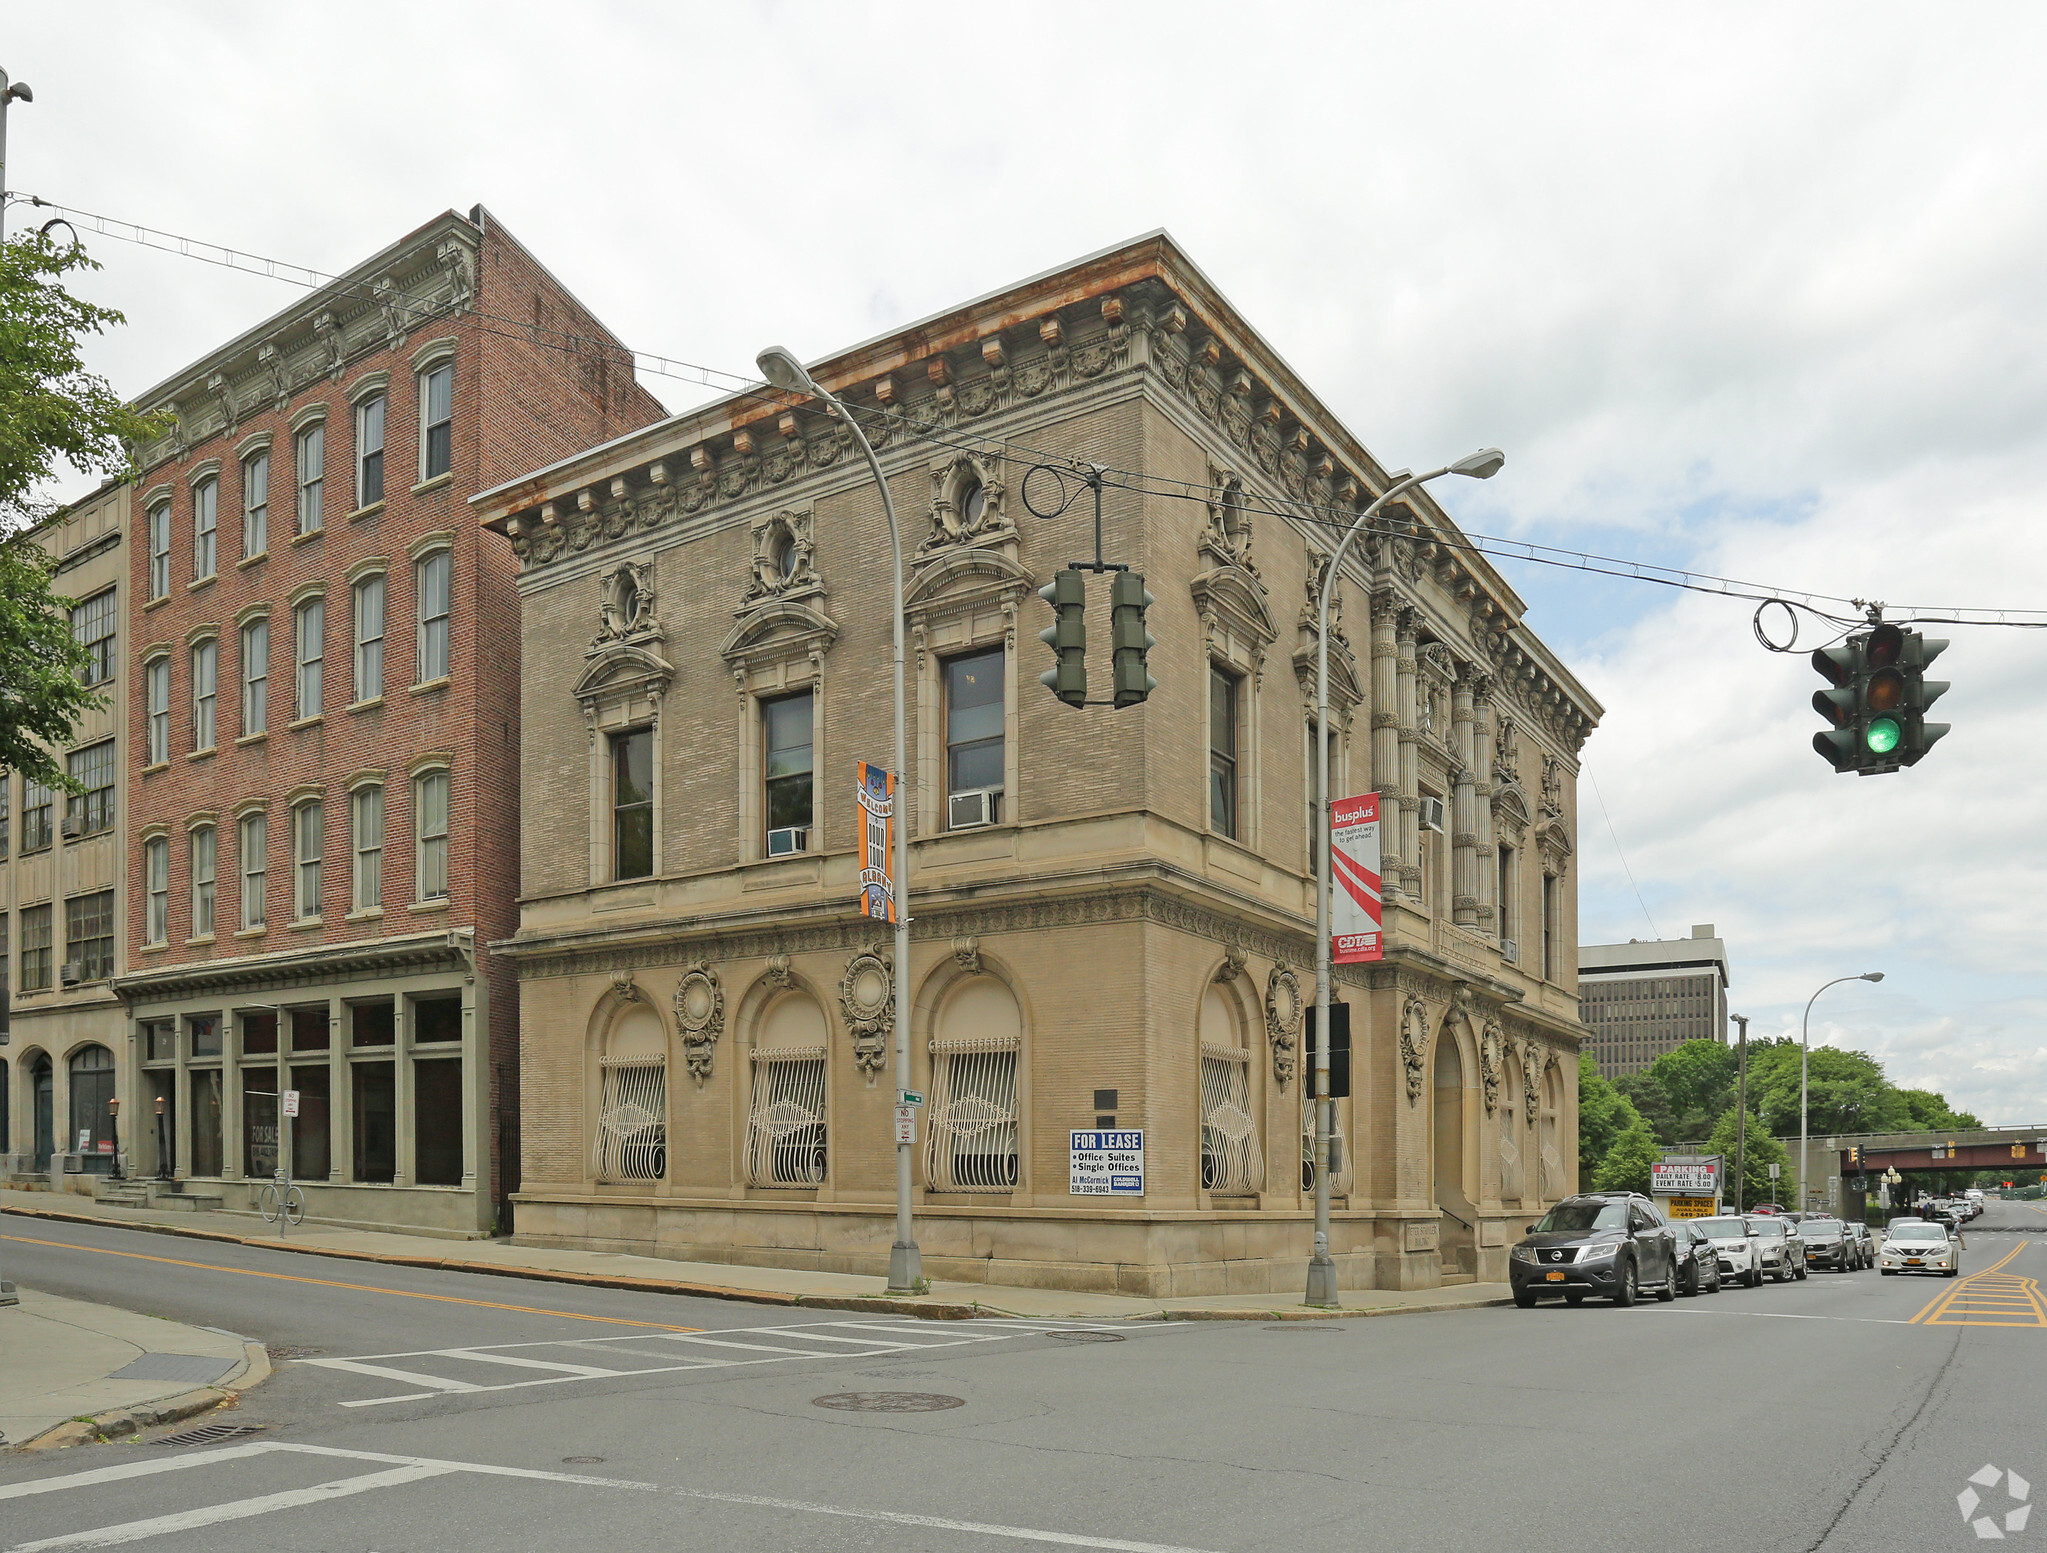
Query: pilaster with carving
[(1464, 824), (1414, 1045), (1406, 667)]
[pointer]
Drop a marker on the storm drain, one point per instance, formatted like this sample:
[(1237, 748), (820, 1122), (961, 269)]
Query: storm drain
[(888, 1402), (1087, 1337), (210, 1434), (285, 1352)]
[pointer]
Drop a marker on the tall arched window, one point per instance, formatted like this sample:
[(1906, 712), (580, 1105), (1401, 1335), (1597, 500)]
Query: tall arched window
[(92, 1119), (1512, 1177), (1552, 1124), (785, 1124), (632, 1107), (1231, 1159), (972, 1145)]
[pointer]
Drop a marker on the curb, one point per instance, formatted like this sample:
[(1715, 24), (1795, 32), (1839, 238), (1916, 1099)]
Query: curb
[(119, 1422), (869, 1304)]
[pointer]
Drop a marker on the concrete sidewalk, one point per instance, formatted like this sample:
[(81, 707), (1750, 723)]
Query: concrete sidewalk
[(763, 1285), (72, 1371)]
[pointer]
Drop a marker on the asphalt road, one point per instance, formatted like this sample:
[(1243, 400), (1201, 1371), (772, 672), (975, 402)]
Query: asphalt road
[(458, 1411)]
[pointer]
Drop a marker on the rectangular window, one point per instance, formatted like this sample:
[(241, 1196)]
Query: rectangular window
[(373, 1024), (437, 1121), (785, 725), (1222, 751), (437, 1020), (431, 580), (369, 639), (1503, 897), (437, 416), (205, 528), (1231, 1159), (36, 923), (310, 447), (973, 1133), (93, 628), (375, 1098), (366, 821), (6, 836), (632, 804), (308, 822), (369, 451), (160, 551), (309, 628), (205, 858), (89, 934), (973, 722), (430, 811), (256, 504), (94, 808), (159, 692), (36, 809), (785, 1130), (156, 883), (259, 1120), (254, 843), (205, 692), (632, 1120), (206, 1119), (1549, 927), (255, 677), (1314, 791)]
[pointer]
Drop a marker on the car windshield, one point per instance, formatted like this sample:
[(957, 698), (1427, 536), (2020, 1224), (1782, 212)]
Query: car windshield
[(1916, 1232), (1769, 1227), (1723, 1229), (1825, 1229), (1575, 1218)]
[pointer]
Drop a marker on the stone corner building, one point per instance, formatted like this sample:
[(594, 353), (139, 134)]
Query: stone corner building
[(321, 749), (1112, 910)]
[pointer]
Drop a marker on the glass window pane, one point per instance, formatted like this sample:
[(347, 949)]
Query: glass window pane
[(787, 723)]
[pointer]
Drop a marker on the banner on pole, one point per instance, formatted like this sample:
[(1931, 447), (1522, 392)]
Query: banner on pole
[(1354, 880), (877, 794)]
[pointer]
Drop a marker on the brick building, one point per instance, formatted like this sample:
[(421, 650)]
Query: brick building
[(1112, 910), (322, 745)]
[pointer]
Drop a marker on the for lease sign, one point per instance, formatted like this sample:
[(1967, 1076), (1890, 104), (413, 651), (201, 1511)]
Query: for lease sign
[(1107, 1163)]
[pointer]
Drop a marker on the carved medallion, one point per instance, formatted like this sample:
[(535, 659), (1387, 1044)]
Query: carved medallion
[(1283, 1011), (1532, 1076), (1491, 1050), (966, 953), (700, 1015), (867, 993), (1414, 1044)]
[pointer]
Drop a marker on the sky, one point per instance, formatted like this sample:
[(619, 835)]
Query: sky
[(1753, 290)]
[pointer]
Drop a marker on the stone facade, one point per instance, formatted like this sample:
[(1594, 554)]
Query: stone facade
[(1120, 934), (317, 855)]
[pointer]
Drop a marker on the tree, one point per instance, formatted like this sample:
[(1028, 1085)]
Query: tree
[(51, 411), (1699, 1077), (1603, 1115), (1626, 1165), (1761, 1153), (1645, 1092)]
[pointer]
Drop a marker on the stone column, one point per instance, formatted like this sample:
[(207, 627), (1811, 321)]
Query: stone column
[(1464, 833), (1410, 756), (1482, 800), (1383, 691)]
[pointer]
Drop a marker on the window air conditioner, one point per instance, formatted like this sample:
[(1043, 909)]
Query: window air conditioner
[(72, 973), (980, 807), (1432, 815), (69, 828), (1510, 951), (790, 838)]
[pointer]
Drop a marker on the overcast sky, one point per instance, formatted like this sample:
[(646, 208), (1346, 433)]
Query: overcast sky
[(1752, 289)]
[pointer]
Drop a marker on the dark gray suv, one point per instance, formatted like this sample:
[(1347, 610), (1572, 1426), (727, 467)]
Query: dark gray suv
[(1613, 1244)]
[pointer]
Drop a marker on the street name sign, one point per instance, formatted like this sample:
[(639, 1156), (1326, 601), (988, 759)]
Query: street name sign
[(1107, 1163)]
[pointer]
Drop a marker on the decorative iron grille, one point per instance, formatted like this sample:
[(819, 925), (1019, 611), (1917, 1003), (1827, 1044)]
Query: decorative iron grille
[(785, 1129), (1231, 1160), (1340, 1180), (972, 1143), (632, 1120)]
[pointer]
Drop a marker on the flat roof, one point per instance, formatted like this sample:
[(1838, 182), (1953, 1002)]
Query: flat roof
[(1642, 957)]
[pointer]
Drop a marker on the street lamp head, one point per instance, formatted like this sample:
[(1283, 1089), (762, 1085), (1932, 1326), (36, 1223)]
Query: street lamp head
[(1482, 465), (1872, 976), (780, 367), (19, 90)]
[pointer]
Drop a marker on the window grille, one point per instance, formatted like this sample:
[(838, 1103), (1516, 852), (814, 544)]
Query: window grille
[(1340, 1179), (972, 1143), (632, 1120), (1510, 1153), (1230, 1157), (785, 1130)]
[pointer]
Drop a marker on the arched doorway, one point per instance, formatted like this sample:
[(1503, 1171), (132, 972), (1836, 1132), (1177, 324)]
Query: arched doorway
[(92, 1114), (42, 1088), (1458, 1233)]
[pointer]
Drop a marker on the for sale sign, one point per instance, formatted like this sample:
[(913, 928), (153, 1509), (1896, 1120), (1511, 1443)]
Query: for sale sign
[(1354, 912), (1107, 1164)]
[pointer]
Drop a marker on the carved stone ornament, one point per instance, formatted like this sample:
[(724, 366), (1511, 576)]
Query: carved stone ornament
[(1414, 1044), (784, 559), (700, 1015), (1552, 786), (1532, 1075), (1492, 1046), (867, 993), (777, 974), (625, 608), (1284, 1010), (1507, 752), (966, 953), (1227, 539), (1232, 966), (967, 496), (623, 989)]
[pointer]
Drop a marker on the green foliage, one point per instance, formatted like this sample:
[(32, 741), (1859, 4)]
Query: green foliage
[(1645, 1092), (1603, 1115), (1930, 1112), (41, 693), (1761, 1152), (1699, 1079), (1626, 1165), (1847, 1092)]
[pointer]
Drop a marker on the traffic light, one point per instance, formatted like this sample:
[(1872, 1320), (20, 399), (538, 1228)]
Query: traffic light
[(1066, 636), (1877, 699), (1128, 601), (1843, 669), (1854, 1156), (1920, 693)]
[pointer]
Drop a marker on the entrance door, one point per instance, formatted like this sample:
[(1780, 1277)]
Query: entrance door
[(43, 1102), (161, 1146), (92, 1118)]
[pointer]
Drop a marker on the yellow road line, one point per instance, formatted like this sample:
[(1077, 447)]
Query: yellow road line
[(365, 1288), (1982, 1297)]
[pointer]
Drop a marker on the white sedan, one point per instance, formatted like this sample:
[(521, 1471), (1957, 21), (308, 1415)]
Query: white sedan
[(1919, 1248), (1734, 1246)]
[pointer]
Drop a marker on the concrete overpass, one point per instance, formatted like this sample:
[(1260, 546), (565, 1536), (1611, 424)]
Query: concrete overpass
[(2020, 1151)]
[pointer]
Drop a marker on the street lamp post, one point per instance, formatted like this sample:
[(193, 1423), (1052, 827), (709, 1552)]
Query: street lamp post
[(1804, 1053), (905, 1263), (1741, 1113), (1482, 465), (10, 91)]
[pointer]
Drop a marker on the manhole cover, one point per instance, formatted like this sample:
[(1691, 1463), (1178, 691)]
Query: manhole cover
[(286, 1351), (210, 1434), (582, 1461), (888, 1402), (1087, 1337), (1304, 1326)]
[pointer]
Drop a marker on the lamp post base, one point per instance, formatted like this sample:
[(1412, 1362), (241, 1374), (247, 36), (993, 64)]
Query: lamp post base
[(906, 1269), (1322, 1282)]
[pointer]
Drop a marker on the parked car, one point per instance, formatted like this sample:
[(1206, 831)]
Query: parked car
[(1613, 1244), (1781, 1251), (1735, 1248), (1946, 1218), (1865, 1246), (1827, 1242), (1698, 1259), (1919, 1248), (1766, 1207)]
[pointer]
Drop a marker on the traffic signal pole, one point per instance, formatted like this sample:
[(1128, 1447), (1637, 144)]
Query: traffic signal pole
[(1740, 1113)]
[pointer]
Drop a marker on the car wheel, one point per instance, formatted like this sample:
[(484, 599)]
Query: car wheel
[(1669, 1290), (1691, 1288), (1626, 1291), (1950, 1272), (1525, 1298), (1753, 1277), (1888, 1272), (1800, 1272)]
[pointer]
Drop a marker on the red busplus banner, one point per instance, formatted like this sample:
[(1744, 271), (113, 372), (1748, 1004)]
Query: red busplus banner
[(1354, 867)]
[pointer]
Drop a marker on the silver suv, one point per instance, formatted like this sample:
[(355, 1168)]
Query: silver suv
[(1779, 1248)]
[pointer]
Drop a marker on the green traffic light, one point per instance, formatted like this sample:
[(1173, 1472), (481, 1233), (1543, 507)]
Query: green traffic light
[(1883, 736)]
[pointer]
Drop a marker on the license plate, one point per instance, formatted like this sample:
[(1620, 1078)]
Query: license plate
[(1553, 1277), (1915, 1261)]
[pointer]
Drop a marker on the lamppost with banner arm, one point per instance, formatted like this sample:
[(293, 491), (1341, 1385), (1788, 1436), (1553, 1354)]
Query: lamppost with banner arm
[(1482, 465), (905, 1264), (1804, 1053)]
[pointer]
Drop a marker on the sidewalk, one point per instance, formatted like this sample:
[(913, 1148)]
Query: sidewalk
[(71, 1371), (762, 1285)]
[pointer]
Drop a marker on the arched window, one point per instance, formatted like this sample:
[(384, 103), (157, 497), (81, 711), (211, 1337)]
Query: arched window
[(1511, 1174), (1231, 1159), (972, 1146), (785, 1124), (92, 1119), (1552, 1123), (632, 1109)]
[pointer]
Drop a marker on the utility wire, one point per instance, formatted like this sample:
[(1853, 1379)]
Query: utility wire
[(1622, 854)]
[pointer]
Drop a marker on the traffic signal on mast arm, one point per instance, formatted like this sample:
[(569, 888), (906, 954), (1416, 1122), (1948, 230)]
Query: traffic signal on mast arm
[(1844, 669), (1877, 702), (1920, 693), (1128, 601), (1066, 636)]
